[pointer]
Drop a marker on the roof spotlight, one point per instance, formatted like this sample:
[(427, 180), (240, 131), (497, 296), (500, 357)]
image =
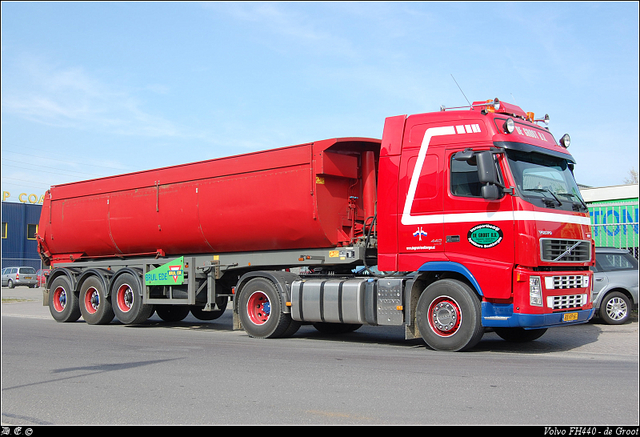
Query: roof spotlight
[(509, 126), (565, 141)]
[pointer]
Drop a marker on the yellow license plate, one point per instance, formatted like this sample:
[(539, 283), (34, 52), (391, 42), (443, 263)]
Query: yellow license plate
[(569, 317), (27, 277)]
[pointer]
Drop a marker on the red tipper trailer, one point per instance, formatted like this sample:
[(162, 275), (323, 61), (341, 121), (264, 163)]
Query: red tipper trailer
[(472, 213), (304, 196)]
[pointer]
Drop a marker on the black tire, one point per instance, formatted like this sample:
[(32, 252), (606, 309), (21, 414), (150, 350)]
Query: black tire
[(336, 328), (126, 301), (449, 316), (172, 313), (615, 308), (261, 313), (199, 313), (95, 304), (10, 284), (63, 302), (519, 335)]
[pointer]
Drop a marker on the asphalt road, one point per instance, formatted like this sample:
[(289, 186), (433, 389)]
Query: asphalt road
[(196, 372)]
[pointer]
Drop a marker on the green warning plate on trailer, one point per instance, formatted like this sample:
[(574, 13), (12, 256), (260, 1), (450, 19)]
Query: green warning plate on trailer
[(171, 273)]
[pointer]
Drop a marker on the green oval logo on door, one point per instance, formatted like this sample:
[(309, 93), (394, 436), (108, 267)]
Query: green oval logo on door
[(485, 236)]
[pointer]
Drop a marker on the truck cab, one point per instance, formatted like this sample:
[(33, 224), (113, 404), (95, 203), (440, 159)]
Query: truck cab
[(485, 196)]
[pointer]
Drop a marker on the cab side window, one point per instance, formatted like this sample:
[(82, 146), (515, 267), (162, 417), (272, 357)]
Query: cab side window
[(464, 179)]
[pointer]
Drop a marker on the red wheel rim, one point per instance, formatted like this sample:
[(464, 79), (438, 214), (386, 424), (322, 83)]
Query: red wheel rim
[(91, 300), (258, 308), (445, 316), (125, 298), (59, 299)]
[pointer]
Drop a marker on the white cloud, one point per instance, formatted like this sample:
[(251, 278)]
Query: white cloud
[(66, 96)]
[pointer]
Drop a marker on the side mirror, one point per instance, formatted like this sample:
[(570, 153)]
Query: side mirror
[(488, 176), (491, 192), (487, 173)]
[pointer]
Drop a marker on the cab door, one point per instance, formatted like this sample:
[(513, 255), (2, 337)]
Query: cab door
[(478, 233)]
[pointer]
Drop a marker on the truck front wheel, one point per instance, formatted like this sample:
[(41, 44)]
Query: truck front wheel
[(260, 311), (127, 301), (448, 316)]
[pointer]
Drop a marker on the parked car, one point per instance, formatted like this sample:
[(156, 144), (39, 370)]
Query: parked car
[(41, 276), (13, 276), (615, 287)]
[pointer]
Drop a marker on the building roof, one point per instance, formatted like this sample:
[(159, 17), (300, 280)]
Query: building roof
[(614, 192)]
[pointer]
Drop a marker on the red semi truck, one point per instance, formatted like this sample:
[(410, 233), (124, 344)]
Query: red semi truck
[(456, 221)]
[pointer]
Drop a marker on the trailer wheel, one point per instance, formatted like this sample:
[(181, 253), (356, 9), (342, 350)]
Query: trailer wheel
[(260, 311), (63, 303), (172, 313), (127, 301), (94, 303), (448, 316)]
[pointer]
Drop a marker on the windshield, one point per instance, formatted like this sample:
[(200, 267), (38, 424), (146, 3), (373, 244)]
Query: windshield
[(545, 180)]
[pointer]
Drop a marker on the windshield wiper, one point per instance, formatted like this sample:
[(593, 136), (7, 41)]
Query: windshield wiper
[(571, 195), (545, 190)]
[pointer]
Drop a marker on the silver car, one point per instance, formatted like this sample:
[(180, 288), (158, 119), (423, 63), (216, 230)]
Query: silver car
[(615, 287), (13, 276)]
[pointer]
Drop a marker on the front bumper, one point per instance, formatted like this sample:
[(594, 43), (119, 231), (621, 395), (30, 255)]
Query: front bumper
[(502, 316)]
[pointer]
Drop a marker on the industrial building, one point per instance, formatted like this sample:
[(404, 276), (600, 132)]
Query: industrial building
[(19, 229)]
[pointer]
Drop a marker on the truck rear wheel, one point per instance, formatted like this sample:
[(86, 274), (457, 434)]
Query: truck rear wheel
[(63, 303), (261, 312), (448, 316), (94, 303), (127, 301)]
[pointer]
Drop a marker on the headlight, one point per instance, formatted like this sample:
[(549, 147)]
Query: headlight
[(535, 291)]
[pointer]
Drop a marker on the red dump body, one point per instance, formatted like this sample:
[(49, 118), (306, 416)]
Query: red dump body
[(306, 196)]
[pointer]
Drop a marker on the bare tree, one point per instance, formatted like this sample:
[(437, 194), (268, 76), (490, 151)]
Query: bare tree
[(632, 178)]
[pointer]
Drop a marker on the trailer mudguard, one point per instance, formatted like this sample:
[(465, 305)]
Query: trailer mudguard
[(102, 274), (136, 273)]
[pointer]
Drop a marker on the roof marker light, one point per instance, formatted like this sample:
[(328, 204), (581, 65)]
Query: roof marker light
[(565, 141), (509, 126)]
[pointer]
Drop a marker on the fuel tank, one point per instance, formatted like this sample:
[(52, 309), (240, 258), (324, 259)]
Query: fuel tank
[(311, 195)]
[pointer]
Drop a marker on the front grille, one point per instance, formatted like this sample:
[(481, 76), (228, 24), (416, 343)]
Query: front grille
[(566, 302), (564, 251), (569, 281)]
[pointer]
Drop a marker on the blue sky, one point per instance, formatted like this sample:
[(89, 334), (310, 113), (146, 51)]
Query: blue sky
[(95, 89)]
